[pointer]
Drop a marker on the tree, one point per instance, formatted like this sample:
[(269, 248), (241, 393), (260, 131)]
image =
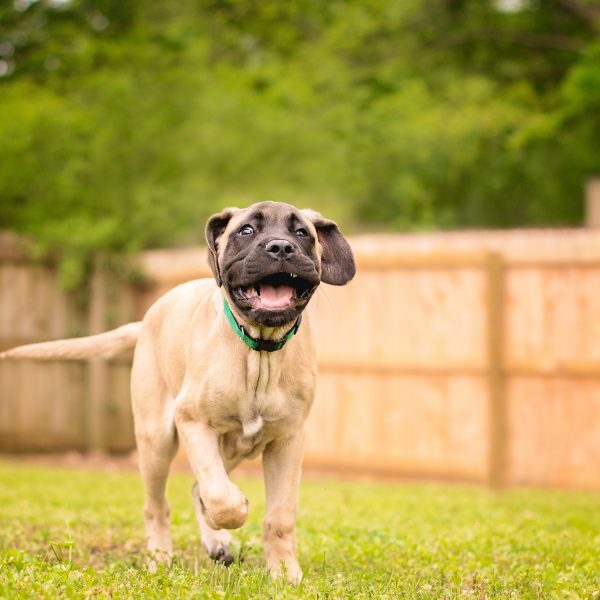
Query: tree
[(124, 125)]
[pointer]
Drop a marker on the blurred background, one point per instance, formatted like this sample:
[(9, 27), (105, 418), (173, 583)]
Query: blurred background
[(456, 142)]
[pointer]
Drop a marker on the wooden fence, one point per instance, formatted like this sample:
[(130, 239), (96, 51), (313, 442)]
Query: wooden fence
[(55, 406), (470, 356)]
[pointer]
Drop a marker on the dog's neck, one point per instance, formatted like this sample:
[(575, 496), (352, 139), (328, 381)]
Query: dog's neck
[(254, 335)]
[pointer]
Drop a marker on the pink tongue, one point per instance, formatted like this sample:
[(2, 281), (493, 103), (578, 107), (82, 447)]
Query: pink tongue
[(275, 297)]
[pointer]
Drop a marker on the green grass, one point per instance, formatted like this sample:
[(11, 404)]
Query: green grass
[(78, 534)]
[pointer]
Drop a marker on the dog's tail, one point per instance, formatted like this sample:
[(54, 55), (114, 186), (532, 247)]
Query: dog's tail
[(103, 345)]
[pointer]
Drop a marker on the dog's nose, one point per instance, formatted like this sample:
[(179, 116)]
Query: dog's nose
[(280, 248)]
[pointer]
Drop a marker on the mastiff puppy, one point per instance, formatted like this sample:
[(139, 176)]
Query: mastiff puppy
[(227, 367)]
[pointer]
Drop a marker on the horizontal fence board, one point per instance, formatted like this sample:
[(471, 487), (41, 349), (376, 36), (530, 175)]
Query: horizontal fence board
[(428, 318), (41, 400), (348, 365), (553, 317), (434, 425), (537, 247), (554, 428)]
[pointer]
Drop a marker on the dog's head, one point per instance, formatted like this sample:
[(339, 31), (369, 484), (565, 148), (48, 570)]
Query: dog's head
[(270, 258)]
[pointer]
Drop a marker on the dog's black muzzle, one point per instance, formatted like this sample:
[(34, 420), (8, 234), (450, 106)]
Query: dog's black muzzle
[(273, 283)]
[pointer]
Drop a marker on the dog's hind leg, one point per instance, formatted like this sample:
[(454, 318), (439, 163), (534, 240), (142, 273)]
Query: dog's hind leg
[(155, 458), (156, 440)]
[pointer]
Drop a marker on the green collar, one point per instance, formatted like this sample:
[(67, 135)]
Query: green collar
[(260, 344)]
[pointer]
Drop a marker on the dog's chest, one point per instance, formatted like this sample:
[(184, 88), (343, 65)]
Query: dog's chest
[(255, 421), (256, 410)]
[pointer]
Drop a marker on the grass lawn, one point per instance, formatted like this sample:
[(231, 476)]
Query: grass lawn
[(69, 533)]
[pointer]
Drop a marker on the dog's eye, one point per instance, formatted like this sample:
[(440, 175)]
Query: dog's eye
[(246, 230), (301, 232)]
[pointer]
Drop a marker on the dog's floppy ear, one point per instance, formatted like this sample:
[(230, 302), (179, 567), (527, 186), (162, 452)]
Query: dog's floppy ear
[(215, 227), (337, 261)]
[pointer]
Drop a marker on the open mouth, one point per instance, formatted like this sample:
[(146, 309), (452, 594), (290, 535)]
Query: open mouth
[(275, 292)]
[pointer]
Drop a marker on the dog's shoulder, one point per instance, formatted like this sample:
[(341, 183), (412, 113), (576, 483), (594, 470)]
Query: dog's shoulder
[(182, 300), (192, 291)]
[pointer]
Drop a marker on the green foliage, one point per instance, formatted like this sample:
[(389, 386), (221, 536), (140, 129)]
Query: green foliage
[(75, 534), (123, 125)]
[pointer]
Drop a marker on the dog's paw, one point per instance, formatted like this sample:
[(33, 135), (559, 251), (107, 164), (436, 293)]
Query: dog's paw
[(158, 557), (216, 544), (222, 556), (288, 569)]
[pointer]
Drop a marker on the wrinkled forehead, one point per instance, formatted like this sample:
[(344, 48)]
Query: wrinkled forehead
[(270, 215)]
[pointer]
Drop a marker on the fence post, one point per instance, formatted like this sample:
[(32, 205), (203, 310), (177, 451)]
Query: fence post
[(497, 410), (97, 367), (592, 202)]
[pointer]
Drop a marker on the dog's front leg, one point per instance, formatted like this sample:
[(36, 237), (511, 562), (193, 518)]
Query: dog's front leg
[(222, 503), (282, 464)]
